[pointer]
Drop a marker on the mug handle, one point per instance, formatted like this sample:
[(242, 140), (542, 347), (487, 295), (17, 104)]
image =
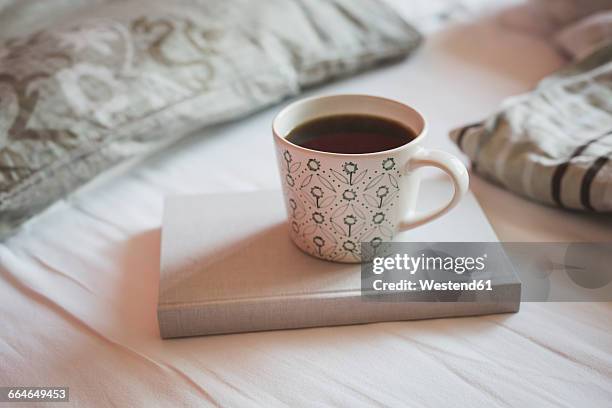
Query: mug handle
[(451, 166)]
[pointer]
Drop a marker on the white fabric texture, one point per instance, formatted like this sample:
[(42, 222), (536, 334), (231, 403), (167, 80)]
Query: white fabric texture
[(548, 16), (79, 284), (582, 38)]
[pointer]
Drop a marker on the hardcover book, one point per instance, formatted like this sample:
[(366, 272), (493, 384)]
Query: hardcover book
[(228, 266)]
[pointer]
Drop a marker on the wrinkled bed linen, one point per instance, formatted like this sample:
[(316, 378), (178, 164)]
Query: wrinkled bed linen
[(79, 284)]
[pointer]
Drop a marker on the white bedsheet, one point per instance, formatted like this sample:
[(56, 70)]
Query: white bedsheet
[(78, 286)]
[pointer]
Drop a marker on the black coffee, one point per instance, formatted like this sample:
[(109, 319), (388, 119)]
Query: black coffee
[(351, 134)]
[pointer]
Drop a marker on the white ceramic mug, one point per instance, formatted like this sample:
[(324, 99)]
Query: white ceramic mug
[(336, 201)]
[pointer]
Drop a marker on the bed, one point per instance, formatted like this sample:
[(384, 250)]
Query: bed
[(79, 284)]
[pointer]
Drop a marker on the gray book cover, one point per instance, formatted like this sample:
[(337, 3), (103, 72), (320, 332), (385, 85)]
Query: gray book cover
[(228, 266)]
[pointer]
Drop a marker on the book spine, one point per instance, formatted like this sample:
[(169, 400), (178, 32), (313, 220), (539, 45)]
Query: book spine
[(316, 311)]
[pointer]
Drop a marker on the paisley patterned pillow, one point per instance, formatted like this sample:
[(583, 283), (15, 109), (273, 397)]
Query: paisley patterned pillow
[(123, 77)]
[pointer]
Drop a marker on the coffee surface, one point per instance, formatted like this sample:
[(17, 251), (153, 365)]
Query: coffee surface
[(351, 134)]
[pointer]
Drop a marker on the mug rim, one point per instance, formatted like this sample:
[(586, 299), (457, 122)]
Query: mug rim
[(294, 104)]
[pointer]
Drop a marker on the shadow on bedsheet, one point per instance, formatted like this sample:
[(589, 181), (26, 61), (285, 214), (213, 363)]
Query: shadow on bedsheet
[(136, 301)]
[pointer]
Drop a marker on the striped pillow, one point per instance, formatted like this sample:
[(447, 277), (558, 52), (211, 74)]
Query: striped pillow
[(553, 145)]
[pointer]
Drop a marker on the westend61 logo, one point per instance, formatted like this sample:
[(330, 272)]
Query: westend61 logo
[(400, 265), (486, 271)]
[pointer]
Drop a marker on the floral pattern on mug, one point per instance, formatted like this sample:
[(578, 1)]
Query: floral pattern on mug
[(333, 208)]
